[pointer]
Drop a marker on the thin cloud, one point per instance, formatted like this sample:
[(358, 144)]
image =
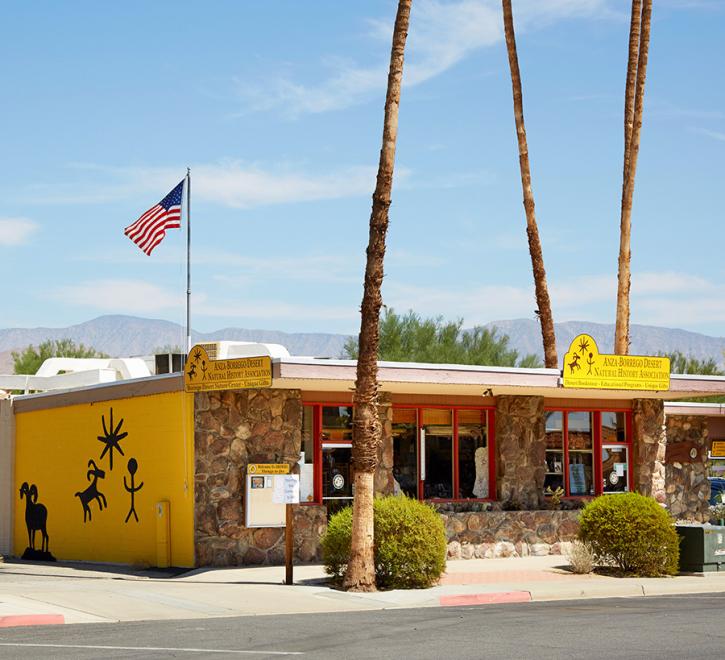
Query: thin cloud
[(16, 231), (234, 184), (119, 296), (715, 135), (442, 35), (657, 298)]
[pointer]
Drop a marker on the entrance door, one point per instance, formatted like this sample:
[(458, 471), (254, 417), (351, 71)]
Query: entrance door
[(336, 448), (336, 476)]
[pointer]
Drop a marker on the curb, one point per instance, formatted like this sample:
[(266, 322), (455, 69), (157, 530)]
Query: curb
[(486, 598), (13, 620)]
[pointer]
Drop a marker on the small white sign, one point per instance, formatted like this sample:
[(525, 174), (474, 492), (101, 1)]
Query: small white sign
[(619, 469), (286, 489)]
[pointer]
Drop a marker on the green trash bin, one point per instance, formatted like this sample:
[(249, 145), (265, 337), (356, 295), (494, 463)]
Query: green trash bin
[(702, 548)]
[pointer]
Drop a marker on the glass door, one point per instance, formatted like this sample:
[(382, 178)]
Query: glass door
[(337, 473), (615, 469)]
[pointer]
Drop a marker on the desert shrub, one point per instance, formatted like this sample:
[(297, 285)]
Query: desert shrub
[(717, 513), (410, 543), (632, 532), (335, 543), (581, 557)]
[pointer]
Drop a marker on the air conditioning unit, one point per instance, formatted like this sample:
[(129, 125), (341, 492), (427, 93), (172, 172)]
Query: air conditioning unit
[(226, 350), (169, 363)]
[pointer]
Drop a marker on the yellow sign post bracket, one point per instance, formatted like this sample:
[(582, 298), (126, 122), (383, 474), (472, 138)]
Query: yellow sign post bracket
[(202, 374), (585, 367)]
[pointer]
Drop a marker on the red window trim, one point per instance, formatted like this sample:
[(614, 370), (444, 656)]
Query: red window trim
[(596, 446), (490, 438), (491, 445)]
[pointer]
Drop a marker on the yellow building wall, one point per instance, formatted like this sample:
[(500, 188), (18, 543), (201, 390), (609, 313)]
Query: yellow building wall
[(53, 449)]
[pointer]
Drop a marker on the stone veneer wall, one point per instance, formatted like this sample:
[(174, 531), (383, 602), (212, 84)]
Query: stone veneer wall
[(234, 428), (490, 534), (521, 450), (687, 488), (231, 429), (649, 445)]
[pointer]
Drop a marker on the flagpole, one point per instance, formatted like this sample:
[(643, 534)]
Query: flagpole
[(188, 260)]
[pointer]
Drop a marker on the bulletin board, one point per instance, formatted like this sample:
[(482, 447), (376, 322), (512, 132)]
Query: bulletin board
[(260, 510)]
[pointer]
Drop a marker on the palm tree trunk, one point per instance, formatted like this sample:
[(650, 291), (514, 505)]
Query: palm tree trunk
[(633, 107), (537, 260), (366, 437), (629, 91)]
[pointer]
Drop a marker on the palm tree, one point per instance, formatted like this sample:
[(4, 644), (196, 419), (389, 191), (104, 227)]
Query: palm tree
[(360, 574), (537, 260), (639, 32)]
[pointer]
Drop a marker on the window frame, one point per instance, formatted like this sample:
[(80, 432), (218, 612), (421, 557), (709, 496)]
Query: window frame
[(490, 445), (597, 445), (490, 411)]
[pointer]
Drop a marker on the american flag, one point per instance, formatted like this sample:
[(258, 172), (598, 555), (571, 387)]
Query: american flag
[(149, 230)]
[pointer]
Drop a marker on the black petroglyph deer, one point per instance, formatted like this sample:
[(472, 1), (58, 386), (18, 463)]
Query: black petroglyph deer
[(36, 516), (574, 364), (91, 493)]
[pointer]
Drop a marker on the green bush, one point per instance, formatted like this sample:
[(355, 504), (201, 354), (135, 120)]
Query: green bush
[(410, 543), (632, 532)]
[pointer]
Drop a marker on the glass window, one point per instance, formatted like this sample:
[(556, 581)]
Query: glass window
[(336, 472), (337, 423), (554, 428), (615, 469), (472, 454), (307, 455), (614, 427), (581, 473), (405, 451), (579, 431), (437, 441)]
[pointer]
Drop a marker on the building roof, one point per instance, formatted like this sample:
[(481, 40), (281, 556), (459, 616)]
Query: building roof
[(336, 376)]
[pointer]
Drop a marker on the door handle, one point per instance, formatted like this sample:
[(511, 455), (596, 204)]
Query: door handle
[(422, 455)]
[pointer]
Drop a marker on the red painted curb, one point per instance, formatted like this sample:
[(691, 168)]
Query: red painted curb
[(486, 598), (31, 620)]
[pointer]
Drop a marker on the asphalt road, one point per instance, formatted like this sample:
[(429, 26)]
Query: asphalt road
[(667, 627)]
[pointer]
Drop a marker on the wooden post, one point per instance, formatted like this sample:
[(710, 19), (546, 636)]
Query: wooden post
[(289, 535)]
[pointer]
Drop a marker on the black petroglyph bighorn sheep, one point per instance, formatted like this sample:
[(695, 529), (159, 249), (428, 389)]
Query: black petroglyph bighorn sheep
[(36, 516), (91, 493)]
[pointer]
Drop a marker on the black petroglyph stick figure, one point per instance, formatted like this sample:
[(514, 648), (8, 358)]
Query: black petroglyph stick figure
[(574, 364), (132, 467), (203, 369), (111, 438), (91, 493), (590, 362), (36, 515)]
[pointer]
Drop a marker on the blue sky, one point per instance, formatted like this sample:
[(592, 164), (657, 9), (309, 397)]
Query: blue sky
[(277, 107)]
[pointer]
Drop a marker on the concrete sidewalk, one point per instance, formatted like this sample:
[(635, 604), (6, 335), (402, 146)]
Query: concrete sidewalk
[(83, 593)]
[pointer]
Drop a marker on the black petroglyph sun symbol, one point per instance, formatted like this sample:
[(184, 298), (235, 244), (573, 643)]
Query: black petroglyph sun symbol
[(583, 345), (111, 438), (197, 355)]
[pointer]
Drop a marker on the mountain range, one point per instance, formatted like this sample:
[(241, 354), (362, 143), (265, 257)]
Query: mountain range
[(130, 335)]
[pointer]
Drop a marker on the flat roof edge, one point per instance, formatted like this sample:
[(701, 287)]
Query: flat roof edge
[(432, 366), (120, 389)]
